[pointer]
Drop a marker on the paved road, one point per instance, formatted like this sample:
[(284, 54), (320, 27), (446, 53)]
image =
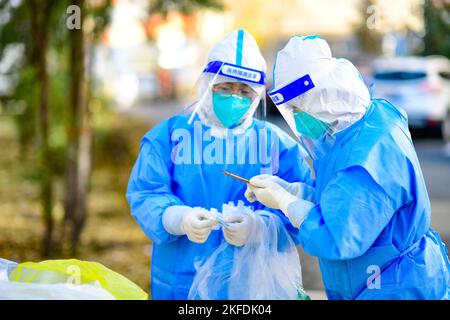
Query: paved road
[(435, 166), (436, 169)]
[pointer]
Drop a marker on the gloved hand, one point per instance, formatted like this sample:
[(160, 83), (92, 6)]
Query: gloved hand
[(238, 228), (195, 223), (298, 189), (268, 190)]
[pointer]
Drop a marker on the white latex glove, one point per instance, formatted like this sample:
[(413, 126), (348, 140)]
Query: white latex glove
[(195, 223), (269, 192), (298, 189), (238, 228), (273, 195)]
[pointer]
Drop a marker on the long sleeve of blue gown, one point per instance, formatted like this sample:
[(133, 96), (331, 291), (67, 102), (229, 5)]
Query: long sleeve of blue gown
[(149, 192), (350, 215)]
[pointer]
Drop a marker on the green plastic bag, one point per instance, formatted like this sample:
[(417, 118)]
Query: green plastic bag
[(78, 272)]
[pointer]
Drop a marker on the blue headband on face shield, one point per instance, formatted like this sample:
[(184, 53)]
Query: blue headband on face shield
[(292, 90), (236, 72)]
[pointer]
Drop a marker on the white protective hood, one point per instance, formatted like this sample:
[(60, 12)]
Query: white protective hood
[(238, 48), (339, 95)]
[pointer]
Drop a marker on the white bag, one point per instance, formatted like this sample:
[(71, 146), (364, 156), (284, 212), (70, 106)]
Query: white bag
[(59, 291)]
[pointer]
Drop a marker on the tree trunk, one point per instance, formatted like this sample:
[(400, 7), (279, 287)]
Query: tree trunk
[(40, 15), (79, 140)]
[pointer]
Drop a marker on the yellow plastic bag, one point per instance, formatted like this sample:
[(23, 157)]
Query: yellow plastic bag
[(78, 272)]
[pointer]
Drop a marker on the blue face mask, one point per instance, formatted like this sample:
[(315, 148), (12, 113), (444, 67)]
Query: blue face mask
[(308, 125), (229, 109)]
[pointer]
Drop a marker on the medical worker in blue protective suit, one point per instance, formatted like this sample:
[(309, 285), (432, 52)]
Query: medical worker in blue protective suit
[(178, 178), (369, 222)]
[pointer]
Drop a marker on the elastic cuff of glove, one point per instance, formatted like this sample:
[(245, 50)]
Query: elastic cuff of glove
[(286, 200), (172, 219), (297, 211)]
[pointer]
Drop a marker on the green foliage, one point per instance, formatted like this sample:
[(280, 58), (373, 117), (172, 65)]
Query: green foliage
[(25, 96), (184, 6), (437, 28), (24, 99), (101, 16), (16, 29)]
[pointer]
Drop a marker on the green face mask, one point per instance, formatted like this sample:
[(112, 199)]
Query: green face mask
[(229, 109), (309, 126)]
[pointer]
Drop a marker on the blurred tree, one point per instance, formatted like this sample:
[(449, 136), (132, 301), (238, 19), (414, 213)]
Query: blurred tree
[(39, 26), (28, 25), (93, 17), (40, 17), (78, 134), (56, 63), (79, 155), (437, 27)]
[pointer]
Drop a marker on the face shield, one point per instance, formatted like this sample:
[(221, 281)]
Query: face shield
[(314, 133), (230, 97), (318, 95)]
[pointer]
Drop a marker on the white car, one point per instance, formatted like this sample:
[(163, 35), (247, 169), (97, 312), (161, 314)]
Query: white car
[(418, 85)]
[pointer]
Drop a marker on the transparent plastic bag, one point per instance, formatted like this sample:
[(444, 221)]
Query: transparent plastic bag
[(6, 267), (266, 267), (74, 273), (57, 291)]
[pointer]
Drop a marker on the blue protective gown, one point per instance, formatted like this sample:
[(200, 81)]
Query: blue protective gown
[(167, 173), (372, 215)]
